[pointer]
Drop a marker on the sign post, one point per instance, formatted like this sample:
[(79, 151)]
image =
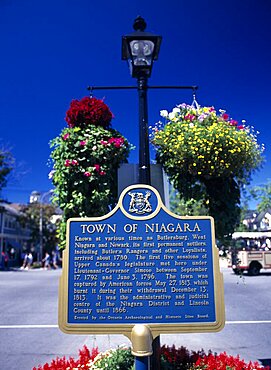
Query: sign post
[(141, 338), (141, 265)]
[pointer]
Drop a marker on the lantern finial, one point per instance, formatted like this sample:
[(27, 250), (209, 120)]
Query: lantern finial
[(139, 24)]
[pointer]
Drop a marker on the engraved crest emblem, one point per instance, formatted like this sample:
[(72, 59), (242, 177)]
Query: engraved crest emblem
[(139, 203)]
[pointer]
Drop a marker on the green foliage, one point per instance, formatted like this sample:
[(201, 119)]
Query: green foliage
[(85, 163), (116, 359), (33, 212), (190, 207), (262, 194), (208, 157), (181, 358), (6, 166)]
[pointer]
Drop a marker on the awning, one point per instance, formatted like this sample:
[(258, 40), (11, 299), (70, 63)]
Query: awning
[(251, 234)]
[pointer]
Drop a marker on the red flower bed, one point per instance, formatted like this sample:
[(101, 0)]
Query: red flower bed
[(62, 363), (172, 358), (88, 111), (226, 362)]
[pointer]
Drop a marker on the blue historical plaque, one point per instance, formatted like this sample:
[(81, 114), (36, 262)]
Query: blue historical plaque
[(141, 264)]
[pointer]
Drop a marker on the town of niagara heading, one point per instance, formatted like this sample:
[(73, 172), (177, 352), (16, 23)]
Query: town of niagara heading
[(143, 270)]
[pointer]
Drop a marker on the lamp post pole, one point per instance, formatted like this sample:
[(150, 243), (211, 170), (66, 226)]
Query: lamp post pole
[(42, 197), (41, 232), (140, 49), (144, 151)]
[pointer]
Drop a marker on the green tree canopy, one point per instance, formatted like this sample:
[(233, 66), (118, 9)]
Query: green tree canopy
[(33, 213), (6, 166), (262, 194)]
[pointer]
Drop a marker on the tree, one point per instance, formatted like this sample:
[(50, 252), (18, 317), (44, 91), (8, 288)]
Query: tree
[(208, 157), (262, 194), (190, 207), (32, 215), (6, 166)]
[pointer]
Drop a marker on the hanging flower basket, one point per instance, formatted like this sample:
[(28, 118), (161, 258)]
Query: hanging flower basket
[(208, 156), (199, 142), (86, 156)]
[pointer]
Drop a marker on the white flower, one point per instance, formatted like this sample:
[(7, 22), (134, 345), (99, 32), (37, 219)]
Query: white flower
[(183, 105), (171, 115), (202, 117), (164, 113), (176, 110), (191, 124), (51, 174), (94, 148)]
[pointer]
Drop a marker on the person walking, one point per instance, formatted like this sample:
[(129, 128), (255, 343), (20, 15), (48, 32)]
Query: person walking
[(4, 260), (46, 261), (54, 260), (29, 261)]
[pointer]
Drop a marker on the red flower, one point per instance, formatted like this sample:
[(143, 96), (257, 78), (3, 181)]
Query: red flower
[(189, 117), (75, 162), (97, 167), (224, 361), (102, 173), (88, 111), (233, 122), (83, 142), (66, 136), (62, 363), (67, 163), (117, 141), (225, 116), (87, 174), (241, 127)]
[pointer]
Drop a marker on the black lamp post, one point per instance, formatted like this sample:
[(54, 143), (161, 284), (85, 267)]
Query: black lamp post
[(140, 49)]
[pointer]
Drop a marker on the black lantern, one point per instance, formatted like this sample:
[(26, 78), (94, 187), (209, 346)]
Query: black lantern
[(140, 49)]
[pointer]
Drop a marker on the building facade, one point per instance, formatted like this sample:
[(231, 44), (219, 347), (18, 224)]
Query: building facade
[(14, 234)]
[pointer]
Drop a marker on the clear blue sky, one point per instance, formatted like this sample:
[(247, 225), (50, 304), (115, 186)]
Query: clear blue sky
[(52, 50)]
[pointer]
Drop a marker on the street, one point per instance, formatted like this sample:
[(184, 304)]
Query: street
[(30, 336)]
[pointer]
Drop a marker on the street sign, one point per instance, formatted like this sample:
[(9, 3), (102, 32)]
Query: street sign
[(141, 264)]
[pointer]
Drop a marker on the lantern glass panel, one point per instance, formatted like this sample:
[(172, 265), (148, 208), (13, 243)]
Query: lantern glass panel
[(142, 51)]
